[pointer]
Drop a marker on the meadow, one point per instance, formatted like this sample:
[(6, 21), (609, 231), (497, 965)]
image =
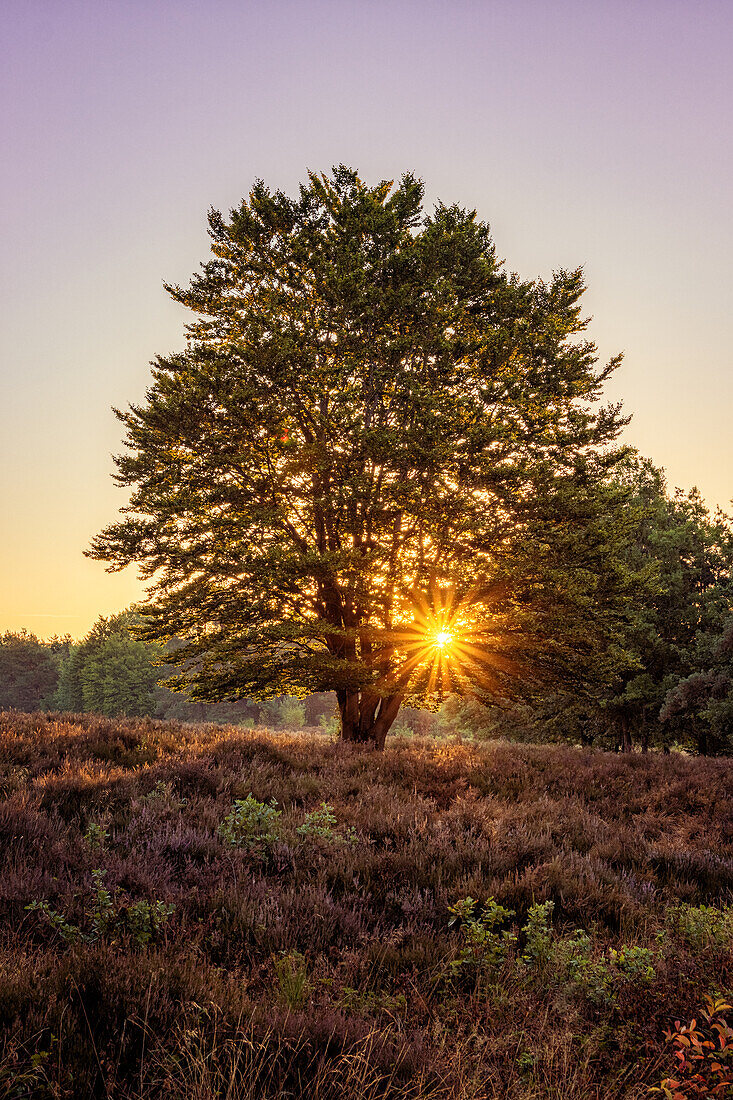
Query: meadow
[(201, 911)]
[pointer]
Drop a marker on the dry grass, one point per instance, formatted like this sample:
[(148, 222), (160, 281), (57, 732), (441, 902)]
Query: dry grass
[(204, 1009)]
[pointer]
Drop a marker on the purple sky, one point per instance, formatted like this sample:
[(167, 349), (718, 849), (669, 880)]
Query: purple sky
[(584, 132)]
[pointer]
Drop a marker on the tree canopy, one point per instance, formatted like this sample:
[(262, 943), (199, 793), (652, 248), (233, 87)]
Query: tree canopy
[(29, 670), (379, 466)]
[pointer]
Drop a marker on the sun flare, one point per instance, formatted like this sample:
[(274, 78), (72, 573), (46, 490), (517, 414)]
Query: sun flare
[(443, 639)]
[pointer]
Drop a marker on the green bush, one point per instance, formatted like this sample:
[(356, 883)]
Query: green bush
[(538, 934), (103, 916), (321, 823), (95, 836), (484, 946), (701, 926), (251, 824)]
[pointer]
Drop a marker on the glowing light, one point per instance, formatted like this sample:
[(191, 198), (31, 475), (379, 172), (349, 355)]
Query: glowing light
[(443, 638)]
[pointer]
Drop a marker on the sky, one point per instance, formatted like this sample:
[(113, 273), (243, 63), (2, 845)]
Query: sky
[(593, 132)]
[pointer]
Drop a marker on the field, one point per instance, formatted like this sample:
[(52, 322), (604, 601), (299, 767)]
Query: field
[(154, 943)]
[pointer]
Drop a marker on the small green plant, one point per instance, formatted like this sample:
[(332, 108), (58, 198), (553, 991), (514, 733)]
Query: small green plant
[(704, 1055), (103, 917), (101, 914), (292, 978), (538, 935), (69, 933), (321, 823), (634, 964), (251, 824), (701, 926), (164, 794), (525, 1061), (601, 979), (144, 920), (96, 836), (483, 945)]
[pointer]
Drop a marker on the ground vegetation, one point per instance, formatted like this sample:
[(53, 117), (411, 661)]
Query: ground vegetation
[(204, 912)]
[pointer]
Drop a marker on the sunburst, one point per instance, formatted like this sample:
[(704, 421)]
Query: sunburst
[(447, 642)]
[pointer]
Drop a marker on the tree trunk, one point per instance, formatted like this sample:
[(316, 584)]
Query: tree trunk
[(626, 743), (366, 717)]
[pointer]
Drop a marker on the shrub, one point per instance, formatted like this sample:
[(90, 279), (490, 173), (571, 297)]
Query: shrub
[(484, 946), (701, 926), (538, 934), (251, 824), (321, 823), (96, 836), (601, 980), (142, 920), (704, 1055)]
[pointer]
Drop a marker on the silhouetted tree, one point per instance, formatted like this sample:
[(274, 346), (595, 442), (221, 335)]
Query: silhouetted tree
[(377, 467)]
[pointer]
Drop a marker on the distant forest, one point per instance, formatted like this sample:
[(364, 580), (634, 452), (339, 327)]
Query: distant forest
[(674, 688)]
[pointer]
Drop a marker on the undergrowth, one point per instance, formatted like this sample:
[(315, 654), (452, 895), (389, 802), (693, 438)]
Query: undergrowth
[(200, 912)]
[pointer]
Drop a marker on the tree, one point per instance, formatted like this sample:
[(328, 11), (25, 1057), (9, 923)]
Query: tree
[(28, 670), (377, 466), (688, 555), (110, 672), (672, 678)]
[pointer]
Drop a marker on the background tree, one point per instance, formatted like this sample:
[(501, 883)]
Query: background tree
[(29, 670), (110, 672), (374, 466), (688, 554), (670, 680)]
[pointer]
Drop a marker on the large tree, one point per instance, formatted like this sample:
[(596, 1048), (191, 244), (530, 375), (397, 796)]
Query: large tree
[(378, 467)]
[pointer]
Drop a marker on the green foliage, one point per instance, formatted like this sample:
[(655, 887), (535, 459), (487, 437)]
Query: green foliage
[(292, 979), (251, 824), (484, 946), (374, 431), (104, 916), (667, 677), (601, 979), (285, 713), (95, 836), (701, 926), (111, 671), (571, 955), (145, 919), (322, 823), (69, 933), (537, 934)]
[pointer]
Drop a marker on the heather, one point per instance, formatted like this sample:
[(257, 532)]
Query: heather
[(202, 911)]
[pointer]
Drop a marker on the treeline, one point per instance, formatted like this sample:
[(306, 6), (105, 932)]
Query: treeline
[(115, 673)]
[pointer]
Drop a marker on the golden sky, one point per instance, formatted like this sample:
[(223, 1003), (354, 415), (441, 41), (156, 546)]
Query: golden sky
[(584, 133)]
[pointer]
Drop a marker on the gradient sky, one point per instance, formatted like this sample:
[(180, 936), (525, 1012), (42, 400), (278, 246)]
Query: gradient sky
[(592, 131)]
